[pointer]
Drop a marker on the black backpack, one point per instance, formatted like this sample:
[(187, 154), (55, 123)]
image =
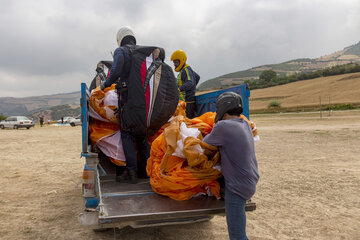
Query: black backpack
[(152, 93)]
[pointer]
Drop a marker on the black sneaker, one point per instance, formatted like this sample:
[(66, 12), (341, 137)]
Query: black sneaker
[(123, 177), (132, 177)]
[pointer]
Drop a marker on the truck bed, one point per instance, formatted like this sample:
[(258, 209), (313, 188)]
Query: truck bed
[(137, 205)]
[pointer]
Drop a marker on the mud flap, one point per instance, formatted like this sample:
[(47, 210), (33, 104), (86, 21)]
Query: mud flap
[(89, 219)]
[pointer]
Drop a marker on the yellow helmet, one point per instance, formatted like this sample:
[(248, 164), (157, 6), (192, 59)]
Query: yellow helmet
[(181, 56)]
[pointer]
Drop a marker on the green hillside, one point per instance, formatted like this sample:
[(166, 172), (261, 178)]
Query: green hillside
[(302, 65), (353, 50)]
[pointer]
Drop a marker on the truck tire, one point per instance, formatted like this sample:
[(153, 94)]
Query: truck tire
[(2, 126), (15, 127), (27, 127), (72, 124)]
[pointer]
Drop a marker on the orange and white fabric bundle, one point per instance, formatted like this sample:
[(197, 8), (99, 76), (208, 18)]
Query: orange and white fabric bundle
[(181, 166), (104, 128)]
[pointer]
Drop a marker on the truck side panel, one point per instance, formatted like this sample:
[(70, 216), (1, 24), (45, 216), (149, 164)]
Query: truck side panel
[(84, 100), (206, 102)]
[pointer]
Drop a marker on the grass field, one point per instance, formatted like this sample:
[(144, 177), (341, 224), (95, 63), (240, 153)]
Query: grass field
[(306, 94)]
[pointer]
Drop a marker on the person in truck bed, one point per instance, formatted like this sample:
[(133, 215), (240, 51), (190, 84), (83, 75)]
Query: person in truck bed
[(120, 69), (234, 138), (99, 78), (187, 80)]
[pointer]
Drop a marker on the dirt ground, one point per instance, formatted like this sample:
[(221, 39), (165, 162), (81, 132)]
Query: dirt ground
[(309, 185)]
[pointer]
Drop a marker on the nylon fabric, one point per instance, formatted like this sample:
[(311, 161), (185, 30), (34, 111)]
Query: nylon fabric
[(182, 178), (104, 128), (104, 103)]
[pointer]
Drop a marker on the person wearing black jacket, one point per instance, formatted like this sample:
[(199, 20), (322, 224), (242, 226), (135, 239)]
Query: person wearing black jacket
[(120, 70), (99, 78), (187, 80)]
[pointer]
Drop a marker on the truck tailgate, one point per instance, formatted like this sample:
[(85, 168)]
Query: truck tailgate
[(139, 203)]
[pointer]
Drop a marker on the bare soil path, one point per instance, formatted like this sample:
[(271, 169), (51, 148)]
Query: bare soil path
[(309, 186)]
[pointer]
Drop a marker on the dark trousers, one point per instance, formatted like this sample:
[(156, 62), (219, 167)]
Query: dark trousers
[(190, 110), (129, 141), (235, 215), (130, 151)]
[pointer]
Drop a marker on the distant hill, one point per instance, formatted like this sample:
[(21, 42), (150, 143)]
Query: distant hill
[(305, 95), (39, 104), (67, 104), (347, 55), (56, 113)]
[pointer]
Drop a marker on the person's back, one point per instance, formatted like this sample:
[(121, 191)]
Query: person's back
[(238, 161), (234, 138), (119, 74)]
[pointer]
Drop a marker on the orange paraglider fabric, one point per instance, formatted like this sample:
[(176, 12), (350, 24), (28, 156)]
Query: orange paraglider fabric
[(104, 130), (181, 178), (97, 103)]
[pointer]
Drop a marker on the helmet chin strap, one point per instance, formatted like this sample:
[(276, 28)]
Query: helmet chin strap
[(182, 67)]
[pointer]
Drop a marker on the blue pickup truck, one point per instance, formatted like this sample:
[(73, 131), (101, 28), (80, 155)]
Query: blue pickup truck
[(110, 204)]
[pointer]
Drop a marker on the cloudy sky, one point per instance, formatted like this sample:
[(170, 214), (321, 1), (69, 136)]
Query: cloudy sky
[(51, 46)]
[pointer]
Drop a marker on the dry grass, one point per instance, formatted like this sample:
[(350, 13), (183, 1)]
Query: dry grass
[(340, 89)]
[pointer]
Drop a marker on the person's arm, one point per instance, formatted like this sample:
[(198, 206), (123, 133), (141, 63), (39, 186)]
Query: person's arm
[(116, 68), (216, 136), (188, 81), (197, 78)]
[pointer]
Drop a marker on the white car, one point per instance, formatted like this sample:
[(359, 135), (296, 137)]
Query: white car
[(16, 122), (75, 122), (65, 120)]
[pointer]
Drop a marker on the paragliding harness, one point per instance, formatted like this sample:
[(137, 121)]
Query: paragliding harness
[(121, 90), (150, 83)]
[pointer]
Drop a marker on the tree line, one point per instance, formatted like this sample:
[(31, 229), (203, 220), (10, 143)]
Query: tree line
[(60, 111), (269, 78), (2, 117)]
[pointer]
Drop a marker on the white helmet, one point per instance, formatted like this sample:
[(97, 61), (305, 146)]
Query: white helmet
[(123, 32)]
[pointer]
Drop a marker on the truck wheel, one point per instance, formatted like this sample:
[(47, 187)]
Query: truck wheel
[(2, 126), (15, 127), (72, 124), (27, 127)]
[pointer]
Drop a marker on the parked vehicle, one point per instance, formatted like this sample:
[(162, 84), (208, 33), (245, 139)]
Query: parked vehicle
[(76, 121), (65, 120), (110, 204), (16, 122)]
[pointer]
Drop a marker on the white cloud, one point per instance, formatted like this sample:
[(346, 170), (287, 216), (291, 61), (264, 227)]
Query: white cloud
[(51, 46)]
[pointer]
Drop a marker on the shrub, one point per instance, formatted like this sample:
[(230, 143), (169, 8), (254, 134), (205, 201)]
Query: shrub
[(274, 104), (345, 106), (2, 117)]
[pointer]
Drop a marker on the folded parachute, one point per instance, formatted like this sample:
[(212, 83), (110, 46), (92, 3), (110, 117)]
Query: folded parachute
[(181, 166), (104, 128)]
